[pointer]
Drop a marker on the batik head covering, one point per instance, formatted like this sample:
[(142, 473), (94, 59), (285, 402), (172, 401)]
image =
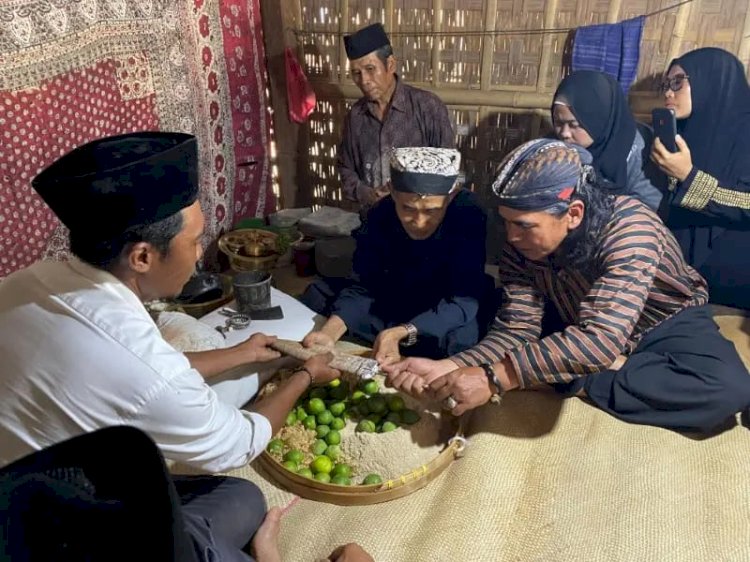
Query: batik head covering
[(365, 41), (109, 185), (540, 174), (600, 106), (424, 170)]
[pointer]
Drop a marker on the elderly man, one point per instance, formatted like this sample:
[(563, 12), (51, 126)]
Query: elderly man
[(636, 336), (80, 351), (389, 115), (418, 265)]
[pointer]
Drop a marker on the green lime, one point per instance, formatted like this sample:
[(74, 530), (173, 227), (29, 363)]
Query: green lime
[(319, 447), (333, 452), (290, 465), (409, 417), (320, 393), (322, 430), (315, 406), (341, 469), (295, 455), (337, 424), (393, 417), (275, 446), (324, 418), (306, 472), (374, 418), (340, 392), (301, 413), (358, 396), (388, 426), (321, 463), (333, 437), (362, 408), (323, 477), (395, 403), (334, 383), (341, 480), (377, 404), (309, 422), (372, 479), (337, 408), (366, 426), (291, 418), (370, 387)]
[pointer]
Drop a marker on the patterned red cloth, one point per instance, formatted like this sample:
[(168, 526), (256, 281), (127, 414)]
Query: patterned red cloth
[(72, 72)]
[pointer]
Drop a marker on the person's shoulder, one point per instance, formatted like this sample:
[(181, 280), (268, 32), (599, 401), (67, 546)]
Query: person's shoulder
[(423, 96), (632, 215)]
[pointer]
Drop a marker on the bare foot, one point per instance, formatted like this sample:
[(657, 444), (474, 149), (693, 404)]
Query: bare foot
[(266, 540)]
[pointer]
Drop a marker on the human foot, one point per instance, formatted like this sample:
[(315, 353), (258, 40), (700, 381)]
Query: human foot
[(265, 543)]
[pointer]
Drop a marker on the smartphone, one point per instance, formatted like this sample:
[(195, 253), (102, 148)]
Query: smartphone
[(665, 127)]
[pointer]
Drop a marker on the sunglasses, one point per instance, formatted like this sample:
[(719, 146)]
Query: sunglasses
[(675, 83)]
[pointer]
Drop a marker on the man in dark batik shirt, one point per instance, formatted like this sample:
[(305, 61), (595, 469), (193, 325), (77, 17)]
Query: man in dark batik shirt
[(389, 115), (419, 265), (635, 336)]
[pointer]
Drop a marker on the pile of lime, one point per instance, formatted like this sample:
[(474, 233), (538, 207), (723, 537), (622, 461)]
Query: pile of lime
[(324, 412)]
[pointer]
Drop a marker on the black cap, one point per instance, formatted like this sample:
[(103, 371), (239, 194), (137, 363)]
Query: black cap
[(109, 185), (365, 41)]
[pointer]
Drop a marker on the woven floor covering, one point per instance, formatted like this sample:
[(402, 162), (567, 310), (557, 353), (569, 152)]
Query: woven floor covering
[(547, 479), (73, 71)]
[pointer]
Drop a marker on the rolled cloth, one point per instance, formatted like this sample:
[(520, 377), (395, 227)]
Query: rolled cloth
[(540, 174)]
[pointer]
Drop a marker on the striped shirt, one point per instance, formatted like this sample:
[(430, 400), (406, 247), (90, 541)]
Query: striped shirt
[(641, 280)]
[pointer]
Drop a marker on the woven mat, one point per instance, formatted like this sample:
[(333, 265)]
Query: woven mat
[(549, 479)]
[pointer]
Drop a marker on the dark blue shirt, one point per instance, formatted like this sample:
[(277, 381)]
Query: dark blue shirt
[(436, 284)]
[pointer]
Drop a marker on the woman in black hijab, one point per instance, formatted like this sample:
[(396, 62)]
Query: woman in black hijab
[(591, 110), (708, 208)]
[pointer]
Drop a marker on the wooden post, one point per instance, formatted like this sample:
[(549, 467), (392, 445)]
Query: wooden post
[(437, 8), (743, 52), (488, 45), (343, 28), (279, 17), (614, 11), (678, 34), (550, 11)]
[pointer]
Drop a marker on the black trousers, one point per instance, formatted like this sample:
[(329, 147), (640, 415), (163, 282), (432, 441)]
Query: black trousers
[(684, 375), (221, 515)]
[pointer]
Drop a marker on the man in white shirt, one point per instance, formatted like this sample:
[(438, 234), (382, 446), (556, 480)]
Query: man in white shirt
[(80, 351)]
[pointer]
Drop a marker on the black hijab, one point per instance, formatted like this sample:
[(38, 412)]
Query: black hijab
[(717, 128), (600, 106)]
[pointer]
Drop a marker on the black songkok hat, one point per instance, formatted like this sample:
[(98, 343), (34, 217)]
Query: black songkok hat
[(365, 41), (424, 170), (109, 185)]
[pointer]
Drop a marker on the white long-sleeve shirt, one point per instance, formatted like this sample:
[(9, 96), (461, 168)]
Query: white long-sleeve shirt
[(79, 351)]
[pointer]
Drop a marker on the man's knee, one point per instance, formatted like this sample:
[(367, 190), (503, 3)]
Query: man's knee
[(728, 395)]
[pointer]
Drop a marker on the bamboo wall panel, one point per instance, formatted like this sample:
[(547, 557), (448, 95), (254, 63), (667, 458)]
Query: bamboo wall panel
[(488, 60)]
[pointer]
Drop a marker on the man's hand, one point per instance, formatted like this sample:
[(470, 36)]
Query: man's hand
[(351, 552), (385, 348), (318, 339), (318, 366), (468, 386), (676, 164), (256, 348), (414, 375)]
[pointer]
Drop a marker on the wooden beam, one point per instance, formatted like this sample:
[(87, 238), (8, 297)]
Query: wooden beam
[(437, 8), (550, 12), (343, 28), (279, 16), (488, 44), (613, 13), (678, 33), (743, 51)]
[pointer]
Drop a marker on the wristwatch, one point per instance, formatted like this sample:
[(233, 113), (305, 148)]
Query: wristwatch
[(411, 335), (496, 397)]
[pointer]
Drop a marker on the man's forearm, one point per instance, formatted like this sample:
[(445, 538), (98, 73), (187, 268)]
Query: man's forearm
[(216, 361), (334, 327)]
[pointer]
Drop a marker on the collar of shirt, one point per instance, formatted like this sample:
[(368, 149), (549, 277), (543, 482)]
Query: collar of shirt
[(397, 99), (101, 277)]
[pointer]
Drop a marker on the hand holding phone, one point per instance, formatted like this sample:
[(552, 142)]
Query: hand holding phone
[(665, 127)]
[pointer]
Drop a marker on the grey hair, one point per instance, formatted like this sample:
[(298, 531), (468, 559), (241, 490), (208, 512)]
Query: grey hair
[(383, 53)]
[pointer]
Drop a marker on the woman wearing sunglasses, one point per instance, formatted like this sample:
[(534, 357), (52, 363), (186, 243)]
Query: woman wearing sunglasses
[(708, 206), (591, 110)]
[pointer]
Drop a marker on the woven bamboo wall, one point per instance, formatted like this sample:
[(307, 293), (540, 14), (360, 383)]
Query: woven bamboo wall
[(498, 86)]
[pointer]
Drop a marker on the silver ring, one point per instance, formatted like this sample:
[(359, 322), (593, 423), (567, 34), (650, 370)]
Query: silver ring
[(450, 403)]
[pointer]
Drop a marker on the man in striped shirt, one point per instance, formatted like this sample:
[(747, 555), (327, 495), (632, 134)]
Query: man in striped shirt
[(634, 333)]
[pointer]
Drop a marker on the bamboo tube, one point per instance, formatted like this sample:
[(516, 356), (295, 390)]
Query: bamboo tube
[(488, 45), (613, 13), (743, 52), (362, 367), (678, 34), (437, 8), (550, 12)]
